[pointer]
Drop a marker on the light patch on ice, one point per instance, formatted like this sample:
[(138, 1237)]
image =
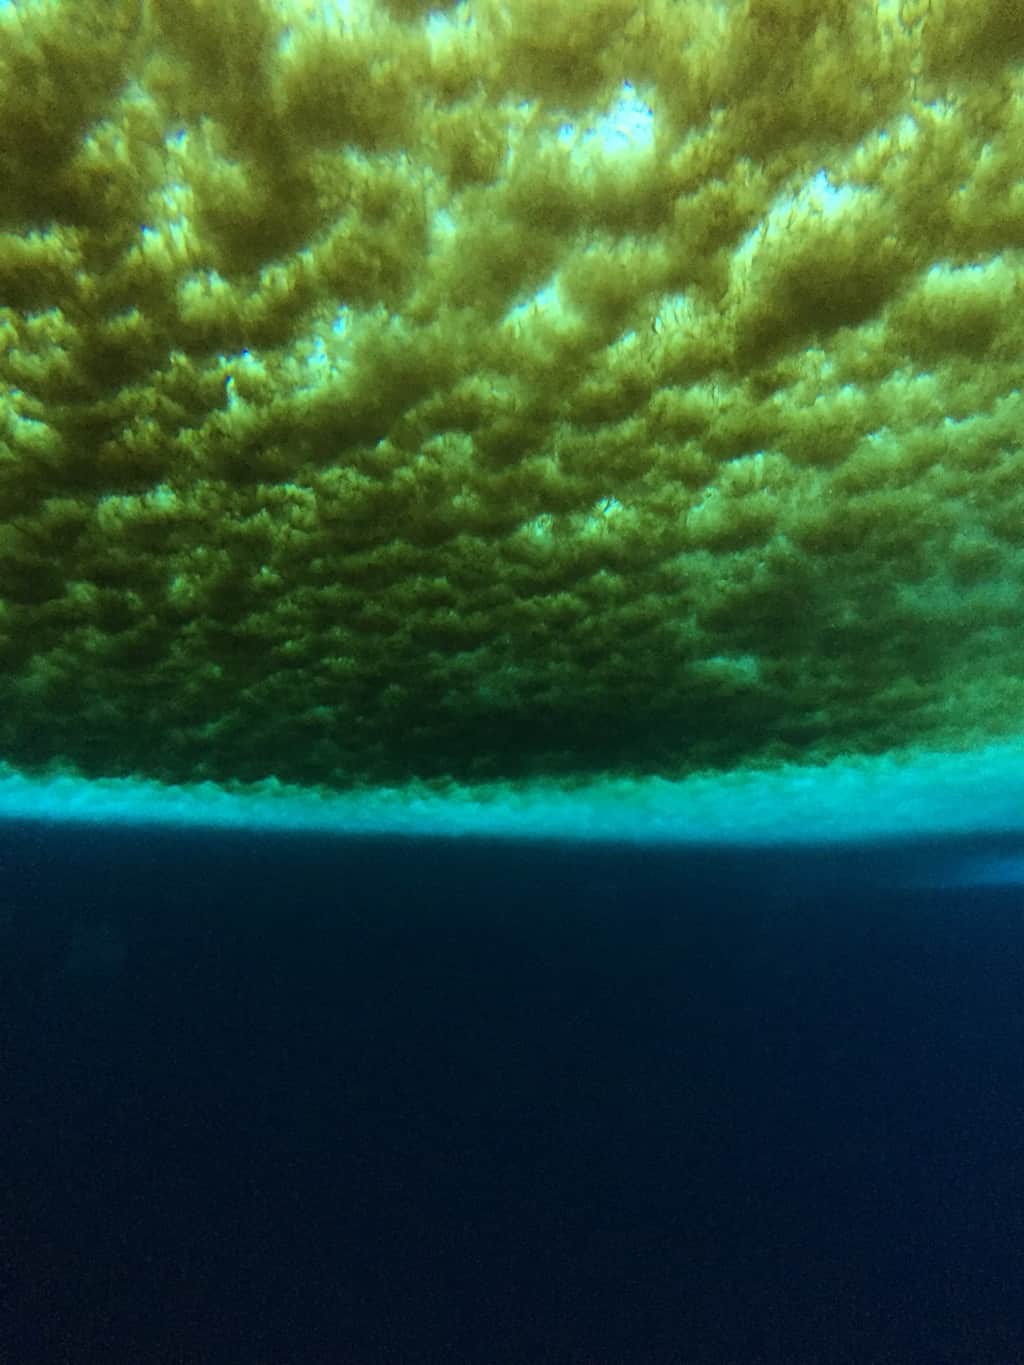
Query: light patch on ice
[(627, 126)]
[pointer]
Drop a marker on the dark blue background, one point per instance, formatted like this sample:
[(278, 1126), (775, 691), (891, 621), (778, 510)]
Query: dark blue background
[(286, 1100)]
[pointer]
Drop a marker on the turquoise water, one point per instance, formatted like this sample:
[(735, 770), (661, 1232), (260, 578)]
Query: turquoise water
[(977, 793)]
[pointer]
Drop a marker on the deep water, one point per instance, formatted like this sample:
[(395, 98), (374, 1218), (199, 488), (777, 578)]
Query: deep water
[(286, 1100)]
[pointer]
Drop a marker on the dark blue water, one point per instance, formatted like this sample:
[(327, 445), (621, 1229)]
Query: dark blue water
[(293, 1101)]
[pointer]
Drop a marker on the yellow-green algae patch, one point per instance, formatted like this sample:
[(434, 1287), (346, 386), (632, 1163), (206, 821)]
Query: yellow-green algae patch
[(496, 391)]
